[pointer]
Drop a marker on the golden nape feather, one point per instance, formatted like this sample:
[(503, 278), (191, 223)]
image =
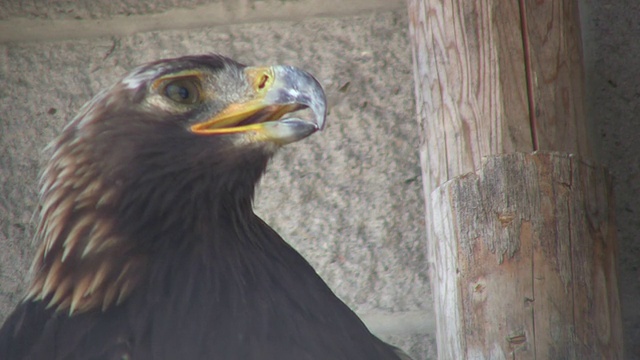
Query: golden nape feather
[(82, 261)]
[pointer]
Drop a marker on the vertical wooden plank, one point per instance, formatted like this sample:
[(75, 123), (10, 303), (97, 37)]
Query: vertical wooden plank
[(509, 232), (552, 268), (470, 84), (447, 299), (516, 134), (555, 48)]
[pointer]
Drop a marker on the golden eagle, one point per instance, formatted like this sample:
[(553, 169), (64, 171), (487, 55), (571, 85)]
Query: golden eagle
[(150, 248)]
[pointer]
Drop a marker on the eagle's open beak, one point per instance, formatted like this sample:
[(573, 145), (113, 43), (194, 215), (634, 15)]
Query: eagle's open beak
[(289, 105)]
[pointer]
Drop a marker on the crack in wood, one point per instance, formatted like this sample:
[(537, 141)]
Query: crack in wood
[(533, 120)]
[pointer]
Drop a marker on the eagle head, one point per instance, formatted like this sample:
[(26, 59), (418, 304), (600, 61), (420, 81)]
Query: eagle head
[(169, 147)]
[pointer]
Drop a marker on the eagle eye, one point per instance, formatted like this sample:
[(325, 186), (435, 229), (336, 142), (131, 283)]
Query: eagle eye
[(183, 91)]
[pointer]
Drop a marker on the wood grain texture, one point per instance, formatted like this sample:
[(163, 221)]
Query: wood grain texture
[(490, 75), (470, 84), (524, 261), (555, 48), (523, 264)]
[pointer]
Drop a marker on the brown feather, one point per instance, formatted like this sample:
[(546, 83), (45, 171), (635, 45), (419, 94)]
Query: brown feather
[(76, 297), (91, 245), (109, 296), (82, 287), (36, 287), (97, 278), (61, 291), (79, 230), (125, 289), (53, 277), (76, 227), (107, 198), (64, 304)]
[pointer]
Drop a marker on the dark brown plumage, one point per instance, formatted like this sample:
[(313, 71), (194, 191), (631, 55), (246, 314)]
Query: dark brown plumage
[(149, 245)]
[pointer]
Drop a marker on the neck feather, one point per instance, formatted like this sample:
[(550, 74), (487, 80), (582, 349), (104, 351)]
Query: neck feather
[(98, 233)]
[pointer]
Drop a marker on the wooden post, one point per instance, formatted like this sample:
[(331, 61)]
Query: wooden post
[(523, 245)]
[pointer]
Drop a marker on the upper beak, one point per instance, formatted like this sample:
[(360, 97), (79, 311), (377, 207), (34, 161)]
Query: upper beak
[(288, 105)]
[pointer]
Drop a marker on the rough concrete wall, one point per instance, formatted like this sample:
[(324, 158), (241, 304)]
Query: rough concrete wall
[(612, 51), (29, 20), (236, 9), (349, 198)]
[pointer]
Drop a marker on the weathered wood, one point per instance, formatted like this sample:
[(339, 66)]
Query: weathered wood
[(557, 75), (526, 269), (477, 74), (523, 246), (471, 92)]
